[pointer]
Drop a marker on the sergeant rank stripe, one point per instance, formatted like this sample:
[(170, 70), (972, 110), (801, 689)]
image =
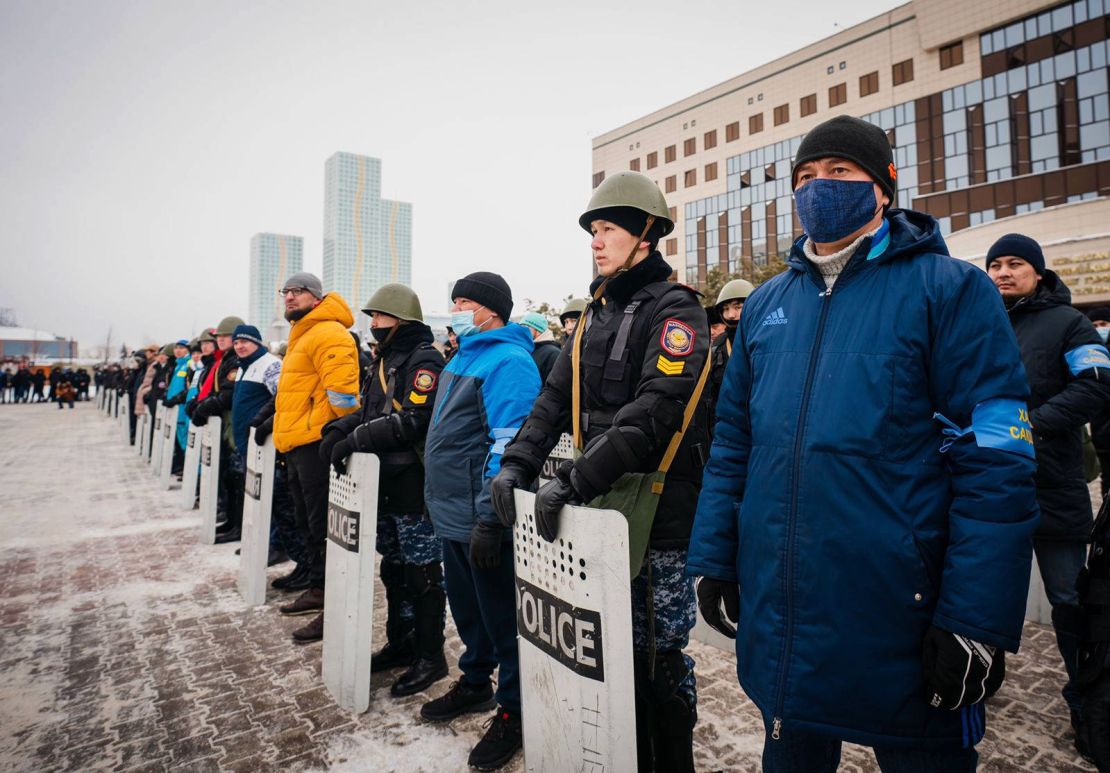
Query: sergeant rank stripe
[(670, 367)]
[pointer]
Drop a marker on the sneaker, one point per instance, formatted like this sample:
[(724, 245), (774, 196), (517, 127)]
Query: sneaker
[(462, 698), (309, 602), (503, 739), (314, 631)]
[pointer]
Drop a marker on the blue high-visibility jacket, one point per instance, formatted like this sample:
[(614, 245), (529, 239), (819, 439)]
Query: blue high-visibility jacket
[(852, 517), (179, 383)]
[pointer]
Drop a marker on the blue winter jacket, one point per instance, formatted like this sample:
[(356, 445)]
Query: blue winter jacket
[(178, 384), (850, 516), (485, 394), (255, 385)]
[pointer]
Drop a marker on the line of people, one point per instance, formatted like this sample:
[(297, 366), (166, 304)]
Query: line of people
[(857, 471), (26, 383)]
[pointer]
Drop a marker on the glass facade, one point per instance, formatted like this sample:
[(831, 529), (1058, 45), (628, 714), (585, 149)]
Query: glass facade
[(1033, 131), (367, 239), (274, 258)]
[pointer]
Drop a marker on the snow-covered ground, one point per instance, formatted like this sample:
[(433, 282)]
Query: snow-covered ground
[(124, 644)]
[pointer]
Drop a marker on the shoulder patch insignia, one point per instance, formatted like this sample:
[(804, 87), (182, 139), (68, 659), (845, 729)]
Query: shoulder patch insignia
[(416, 399), (670, 367), (424, 381), (677, 338)]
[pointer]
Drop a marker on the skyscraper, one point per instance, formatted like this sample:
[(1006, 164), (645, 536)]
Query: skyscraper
[(273, 258), (367, 239)]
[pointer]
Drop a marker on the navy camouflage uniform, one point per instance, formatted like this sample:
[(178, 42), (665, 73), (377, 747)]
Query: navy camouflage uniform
[(644, 346)]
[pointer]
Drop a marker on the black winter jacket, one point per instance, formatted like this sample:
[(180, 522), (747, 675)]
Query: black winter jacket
[(545, 355), (633, 393), (1069, 383), (397, 427)]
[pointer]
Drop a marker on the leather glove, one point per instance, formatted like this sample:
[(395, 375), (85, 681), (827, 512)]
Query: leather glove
[(177, 399), (261, 418), (958, 671), (549, 503), (191, 407), (205, 410), (501, 489), (339, 454), (485, 545), (263, 430), (719, 604), (330, 438)]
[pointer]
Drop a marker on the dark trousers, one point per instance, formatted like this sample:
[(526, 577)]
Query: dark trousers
[(483, 604), (308, 486), (798, 750), (284, 533), (1104, 477)]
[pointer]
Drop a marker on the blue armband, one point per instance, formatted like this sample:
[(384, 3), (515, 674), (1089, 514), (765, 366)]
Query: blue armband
[(340, 400), (1087, 356), (1001, 423)]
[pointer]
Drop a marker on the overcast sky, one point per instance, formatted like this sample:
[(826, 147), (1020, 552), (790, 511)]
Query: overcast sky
[(142, 144)]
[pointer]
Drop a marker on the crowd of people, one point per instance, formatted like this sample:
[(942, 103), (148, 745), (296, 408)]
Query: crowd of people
[(23, 382), (847, 469)]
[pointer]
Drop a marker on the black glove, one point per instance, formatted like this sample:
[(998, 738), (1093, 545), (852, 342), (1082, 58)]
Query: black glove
[(263, 430), (207, 408), (177, 399), (958, 671), (549, 503), (719, 604), (261, 418), (485, 545), (339, 454), (191, 407), (501, 489), (328, 441)]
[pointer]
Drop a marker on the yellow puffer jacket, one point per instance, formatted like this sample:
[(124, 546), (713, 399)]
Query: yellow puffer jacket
[(319, 376)]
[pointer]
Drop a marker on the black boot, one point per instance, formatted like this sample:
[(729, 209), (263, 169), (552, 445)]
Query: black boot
[(424, 583), (664, 720), (399, 649)]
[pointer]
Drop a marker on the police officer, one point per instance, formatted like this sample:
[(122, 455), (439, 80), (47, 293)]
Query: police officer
[(730, 304), (397, 399), (643, 344), (571, 314)]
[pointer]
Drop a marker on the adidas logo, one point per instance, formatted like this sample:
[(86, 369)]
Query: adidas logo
[(776, 317)]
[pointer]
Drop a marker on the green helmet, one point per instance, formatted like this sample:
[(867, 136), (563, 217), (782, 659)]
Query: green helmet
[(573, 310), (206, 335), (167, 350), (736, 290), (396, 300), (629, 189), (227, 325)]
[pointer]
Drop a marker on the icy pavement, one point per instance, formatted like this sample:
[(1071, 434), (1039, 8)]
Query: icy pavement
[(124, 644)]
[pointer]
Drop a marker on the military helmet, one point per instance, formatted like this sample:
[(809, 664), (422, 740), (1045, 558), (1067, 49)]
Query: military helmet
[(227, 325), (736, 290), (167, 350), (632, 190), (573, 310), (396, 300), (207, 335)]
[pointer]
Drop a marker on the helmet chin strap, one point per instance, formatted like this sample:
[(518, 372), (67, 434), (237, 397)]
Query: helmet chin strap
[(628, 261)]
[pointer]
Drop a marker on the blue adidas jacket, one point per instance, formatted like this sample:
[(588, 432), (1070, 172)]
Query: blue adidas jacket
[(485, 394), (849, 515)]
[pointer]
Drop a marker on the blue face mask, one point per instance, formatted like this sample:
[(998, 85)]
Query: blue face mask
[(830, 210), (462, 322), (1103, 333)]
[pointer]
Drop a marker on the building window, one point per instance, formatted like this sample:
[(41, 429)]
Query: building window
[(838, 94), (672, 213), (634, 165), (808, 105), (902, 72), (669, 185), (952, 55), (690, 147), (690, 179), (671, 246), (711, 172), (652, 160), (782, 114), (598, 177), (755, 123), (668, 154), (868, 84), (732, 132), (709, 141)]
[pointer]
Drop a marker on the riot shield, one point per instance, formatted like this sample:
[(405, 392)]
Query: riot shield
[(209, 478), (349, 582), (192, 468), (169, 446), (142, 430), (574, 625), (562, 452), (156, 439), (258, 497)]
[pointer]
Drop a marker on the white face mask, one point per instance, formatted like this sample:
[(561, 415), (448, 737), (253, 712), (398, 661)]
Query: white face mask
[(1103, 333), (462, 322)]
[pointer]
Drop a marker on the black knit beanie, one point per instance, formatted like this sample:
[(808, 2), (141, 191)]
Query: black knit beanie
[(488, 289), (1099, 314), (853, 139), (1017, 246)]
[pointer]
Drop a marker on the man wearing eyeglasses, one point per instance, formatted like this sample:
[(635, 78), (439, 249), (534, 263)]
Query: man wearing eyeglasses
[(319, 382)]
